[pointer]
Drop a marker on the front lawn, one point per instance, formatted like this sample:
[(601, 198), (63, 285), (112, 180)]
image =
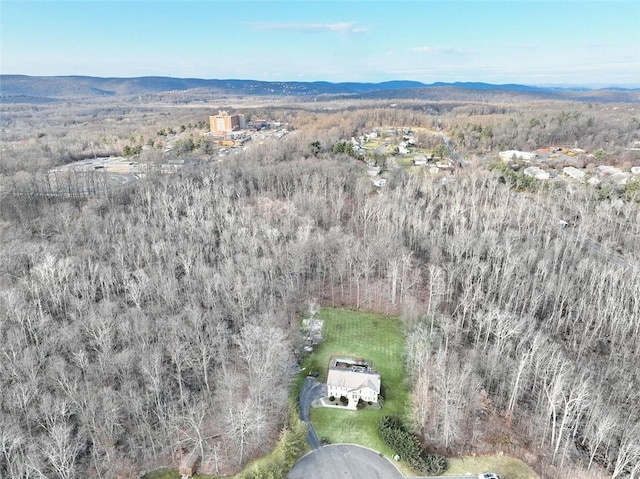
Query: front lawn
[(377, 339)]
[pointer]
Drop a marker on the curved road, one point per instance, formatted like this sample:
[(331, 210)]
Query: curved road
[(342, 461)]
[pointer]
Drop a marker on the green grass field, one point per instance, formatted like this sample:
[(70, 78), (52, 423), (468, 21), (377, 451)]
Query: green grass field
[(377, 339), (405, 161)]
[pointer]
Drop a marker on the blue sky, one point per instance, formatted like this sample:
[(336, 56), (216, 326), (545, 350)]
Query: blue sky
[(535, 42)]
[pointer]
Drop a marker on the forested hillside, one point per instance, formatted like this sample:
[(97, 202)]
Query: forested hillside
[(39, 89), (141, 324)]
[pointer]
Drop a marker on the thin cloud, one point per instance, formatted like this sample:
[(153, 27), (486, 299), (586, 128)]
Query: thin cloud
[(335, 27), (440, 50), (525, 46), (602, 46)]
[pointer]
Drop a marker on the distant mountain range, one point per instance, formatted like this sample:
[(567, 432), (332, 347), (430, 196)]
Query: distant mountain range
[(33, 89)]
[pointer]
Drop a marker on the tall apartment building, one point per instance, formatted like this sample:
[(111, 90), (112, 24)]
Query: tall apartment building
[(223, 123)]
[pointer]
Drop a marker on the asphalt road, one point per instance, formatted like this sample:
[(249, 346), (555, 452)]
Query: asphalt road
[(344, 461), (352, 462)]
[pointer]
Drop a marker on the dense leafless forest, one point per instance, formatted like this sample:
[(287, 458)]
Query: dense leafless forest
[(138, 323)]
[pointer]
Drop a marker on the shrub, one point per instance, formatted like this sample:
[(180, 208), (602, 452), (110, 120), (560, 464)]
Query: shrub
[(632, 190), (436, 464), (290, 447), (180, 147), (344, 400), (131, 150), (407, 446)]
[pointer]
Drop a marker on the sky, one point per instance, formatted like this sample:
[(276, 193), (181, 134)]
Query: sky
[(536, 42)]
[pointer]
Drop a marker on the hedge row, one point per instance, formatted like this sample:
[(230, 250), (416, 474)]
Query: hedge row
[(407, 446)]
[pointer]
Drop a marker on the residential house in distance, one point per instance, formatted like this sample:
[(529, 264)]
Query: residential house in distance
[(537, 173), (574, 173), (420, 160), (509, 155), (373, 170), (371, 136), (354, 380)]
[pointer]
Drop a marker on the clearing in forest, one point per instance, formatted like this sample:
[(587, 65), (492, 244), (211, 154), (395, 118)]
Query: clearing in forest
[(379, 340)]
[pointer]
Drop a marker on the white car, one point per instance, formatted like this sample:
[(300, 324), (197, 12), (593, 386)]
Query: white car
[(488, 475)]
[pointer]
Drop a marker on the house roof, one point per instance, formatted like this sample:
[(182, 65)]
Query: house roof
[(354, 380)]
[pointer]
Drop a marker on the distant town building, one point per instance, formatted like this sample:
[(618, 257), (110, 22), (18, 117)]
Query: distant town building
[(613, 174), (223, 123), (420, 160), (445, 164), (373, 170), (509, 155), (257, 124), (371, 136), (536, 173), (574, 173)]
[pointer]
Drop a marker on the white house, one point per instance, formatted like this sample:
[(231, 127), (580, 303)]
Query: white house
[(420, 160), (373, 170), (354, 380), (371, 136), (402, 148), (574, 173), (537, 173), (509, 155)]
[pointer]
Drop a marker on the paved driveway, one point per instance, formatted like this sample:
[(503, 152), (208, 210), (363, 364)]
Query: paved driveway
[(311, 390)]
